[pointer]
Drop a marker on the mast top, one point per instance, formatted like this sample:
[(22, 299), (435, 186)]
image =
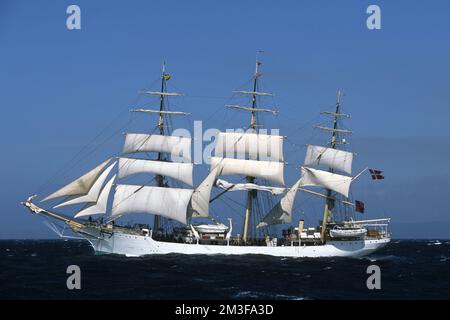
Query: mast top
[(258, 63), (254, 93), (339, 95), (335, 128)]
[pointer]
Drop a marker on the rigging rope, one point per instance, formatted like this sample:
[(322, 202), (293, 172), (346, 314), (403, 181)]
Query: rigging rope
[(65, 170)]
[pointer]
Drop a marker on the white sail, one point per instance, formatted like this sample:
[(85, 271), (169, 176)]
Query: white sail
[(325, 179), (199, 206), (171, 203), (81, 185), (247, 186), (179, 171), (281, 213), (269, 170), (333, 158), (255, 146), (92, 194), (178, 147), (100, 206)]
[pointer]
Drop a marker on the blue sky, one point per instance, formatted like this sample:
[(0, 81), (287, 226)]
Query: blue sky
[(60, 89)]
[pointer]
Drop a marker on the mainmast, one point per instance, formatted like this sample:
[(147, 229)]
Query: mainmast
[(160, 178), (251, 194), (329, 201), (244, 154)]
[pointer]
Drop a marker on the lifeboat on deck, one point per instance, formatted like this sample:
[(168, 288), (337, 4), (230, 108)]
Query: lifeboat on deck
[(338, 232), (211, 228)]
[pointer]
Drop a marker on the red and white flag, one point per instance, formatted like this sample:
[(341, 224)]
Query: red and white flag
[(376, 174)]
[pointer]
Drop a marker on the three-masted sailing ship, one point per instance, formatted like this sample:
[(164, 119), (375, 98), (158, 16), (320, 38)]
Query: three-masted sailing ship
[(171, 197)]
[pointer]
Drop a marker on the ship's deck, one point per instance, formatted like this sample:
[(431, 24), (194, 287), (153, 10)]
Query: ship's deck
[(137, 230)]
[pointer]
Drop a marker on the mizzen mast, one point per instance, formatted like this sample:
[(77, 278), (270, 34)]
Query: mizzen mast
[(330, 200)]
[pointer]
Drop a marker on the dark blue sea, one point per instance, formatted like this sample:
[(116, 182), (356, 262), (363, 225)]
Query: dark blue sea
[(410, 269)]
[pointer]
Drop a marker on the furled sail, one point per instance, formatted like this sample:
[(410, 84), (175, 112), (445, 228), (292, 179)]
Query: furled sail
[(270, 170), (281, 213), (325, 179), (179, 171), (247, 186), (171, 203), (199, 205), (100, 206), (333, 158), (252, 145), (179, 147), (81, 185), (92, 194)]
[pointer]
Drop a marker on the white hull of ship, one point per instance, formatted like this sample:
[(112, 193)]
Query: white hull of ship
[(136, 246)]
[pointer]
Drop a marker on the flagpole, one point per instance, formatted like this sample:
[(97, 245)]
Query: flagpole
[(357, 176)]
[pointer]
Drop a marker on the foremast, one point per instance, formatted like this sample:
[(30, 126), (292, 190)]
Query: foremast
[(94, 187), (160, 178)]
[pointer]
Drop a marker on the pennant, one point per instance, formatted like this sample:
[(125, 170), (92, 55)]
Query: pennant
[(376, 174), (359, 206)]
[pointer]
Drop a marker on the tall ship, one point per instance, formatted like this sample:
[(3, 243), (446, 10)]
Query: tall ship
[(180, 218)]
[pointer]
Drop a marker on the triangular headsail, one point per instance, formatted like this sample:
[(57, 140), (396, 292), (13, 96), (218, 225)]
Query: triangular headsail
[(92, 194), (160, 200), (281, 213), (81, 185), (199, 204), (100, 206)]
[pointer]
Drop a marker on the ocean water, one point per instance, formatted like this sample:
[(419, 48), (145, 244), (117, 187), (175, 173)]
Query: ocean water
[(410, 269)]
